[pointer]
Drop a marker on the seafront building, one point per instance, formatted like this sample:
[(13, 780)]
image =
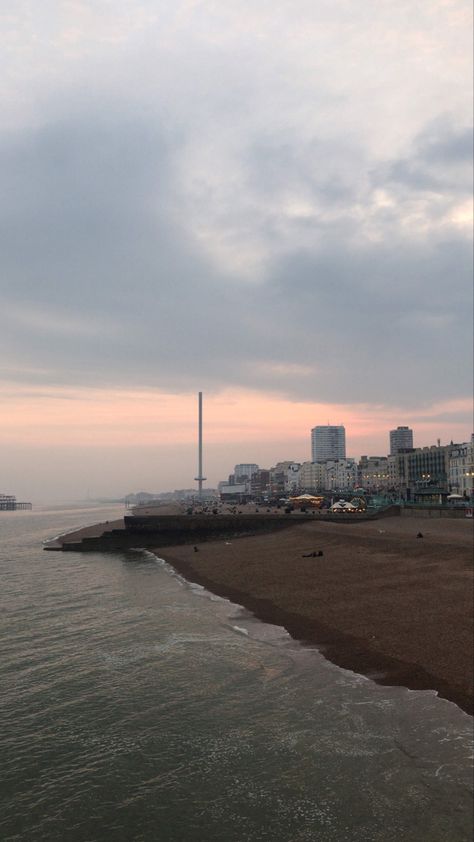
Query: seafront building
[(260, 482), (341, 475), (235, 493), (284, 478), (312, 477), (245, 471), (425, 474), (400, 439), (461, 469), (247, 480), (328, 442), (373, 473)]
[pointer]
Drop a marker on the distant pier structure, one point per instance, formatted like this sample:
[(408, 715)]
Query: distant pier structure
[(200, 478), (9, 503)]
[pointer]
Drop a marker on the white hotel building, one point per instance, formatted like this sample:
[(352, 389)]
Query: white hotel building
[(328, 442)]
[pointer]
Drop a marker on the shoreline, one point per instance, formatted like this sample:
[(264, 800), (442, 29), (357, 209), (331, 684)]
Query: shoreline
[(378, 602)]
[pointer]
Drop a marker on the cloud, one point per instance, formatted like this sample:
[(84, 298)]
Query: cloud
[(440, 161), (199, 196), (108, 285)]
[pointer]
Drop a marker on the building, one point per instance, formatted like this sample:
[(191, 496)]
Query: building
[(461, 469), (400, 439), (292, 479), (341, 475), (312, 476), (245, 471), (236, 493), (374, 473), (260, 482), (393, 478), (328, 442), (284, 478), (423, 473)]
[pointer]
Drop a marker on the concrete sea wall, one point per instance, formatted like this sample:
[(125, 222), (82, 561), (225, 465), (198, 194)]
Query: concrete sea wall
[(432, 511), (167, 530)]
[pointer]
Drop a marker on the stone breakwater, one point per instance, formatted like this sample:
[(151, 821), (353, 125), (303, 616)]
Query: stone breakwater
[(168, 530)]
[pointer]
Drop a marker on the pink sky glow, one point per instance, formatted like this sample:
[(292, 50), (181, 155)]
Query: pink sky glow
[(64, 443), (107, 418)]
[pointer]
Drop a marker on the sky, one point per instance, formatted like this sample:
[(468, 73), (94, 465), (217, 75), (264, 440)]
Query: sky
[(269, 202)]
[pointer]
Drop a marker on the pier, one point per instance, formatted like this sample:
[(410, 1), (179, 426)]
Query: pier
[(9, 503)]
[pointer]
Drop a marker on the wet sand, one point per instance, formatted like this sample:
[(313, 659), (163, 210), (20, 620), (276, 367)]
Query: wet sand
[(379, 601)]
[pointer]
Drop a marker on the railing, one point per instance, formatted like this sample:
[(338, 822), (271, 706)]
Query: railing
[(460, 505)]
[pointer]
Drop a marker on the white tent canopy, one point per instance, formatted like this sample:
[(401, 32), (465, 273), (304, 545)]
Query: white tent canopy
[(342, 506), (306, 497)]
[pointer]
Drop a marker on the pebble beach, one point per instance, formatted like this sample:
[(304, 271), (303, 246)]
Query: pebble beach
[(377, 599)]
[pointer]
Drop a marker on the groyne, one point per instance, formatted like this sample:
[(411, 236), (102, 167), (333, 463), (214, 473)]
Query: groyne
[(168, 530)]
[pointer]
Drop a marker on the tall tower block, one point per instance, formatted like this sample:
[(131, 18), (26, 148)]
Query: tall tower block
[(328, 442), (200, 479), (401, 439)]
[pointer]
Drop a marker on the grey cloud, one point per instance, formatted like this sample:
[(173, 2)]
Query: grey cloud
[(440, 160), (443, 143), (457, 417), (95, 228), (329, 169), (346, 311)]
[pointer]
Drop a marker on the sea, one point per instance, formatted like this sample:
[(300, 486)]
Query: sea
[(138, 706)]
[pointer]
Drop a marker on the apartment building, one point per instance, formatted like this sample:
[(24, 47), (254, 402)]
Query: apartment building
[(328, 442)]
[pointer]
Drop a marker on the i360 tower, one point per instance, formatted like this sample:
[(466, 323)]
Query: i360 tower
[(200, 479)]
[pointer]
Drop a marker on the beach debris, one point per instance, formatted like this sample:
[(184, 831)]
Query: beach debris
[(314, 554), (420, 535)]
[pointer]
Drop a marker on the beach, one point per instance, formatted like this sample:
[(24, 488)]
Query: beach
[(379, 600)]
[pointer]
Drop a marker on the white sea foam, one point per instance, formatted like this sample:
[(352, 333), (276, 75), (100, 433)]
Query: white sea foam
[(168, 567), (241, 630)]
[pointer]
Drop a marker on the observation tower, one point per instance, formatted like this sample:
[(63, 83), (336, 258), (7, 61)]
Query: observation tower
[(200, 479)]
